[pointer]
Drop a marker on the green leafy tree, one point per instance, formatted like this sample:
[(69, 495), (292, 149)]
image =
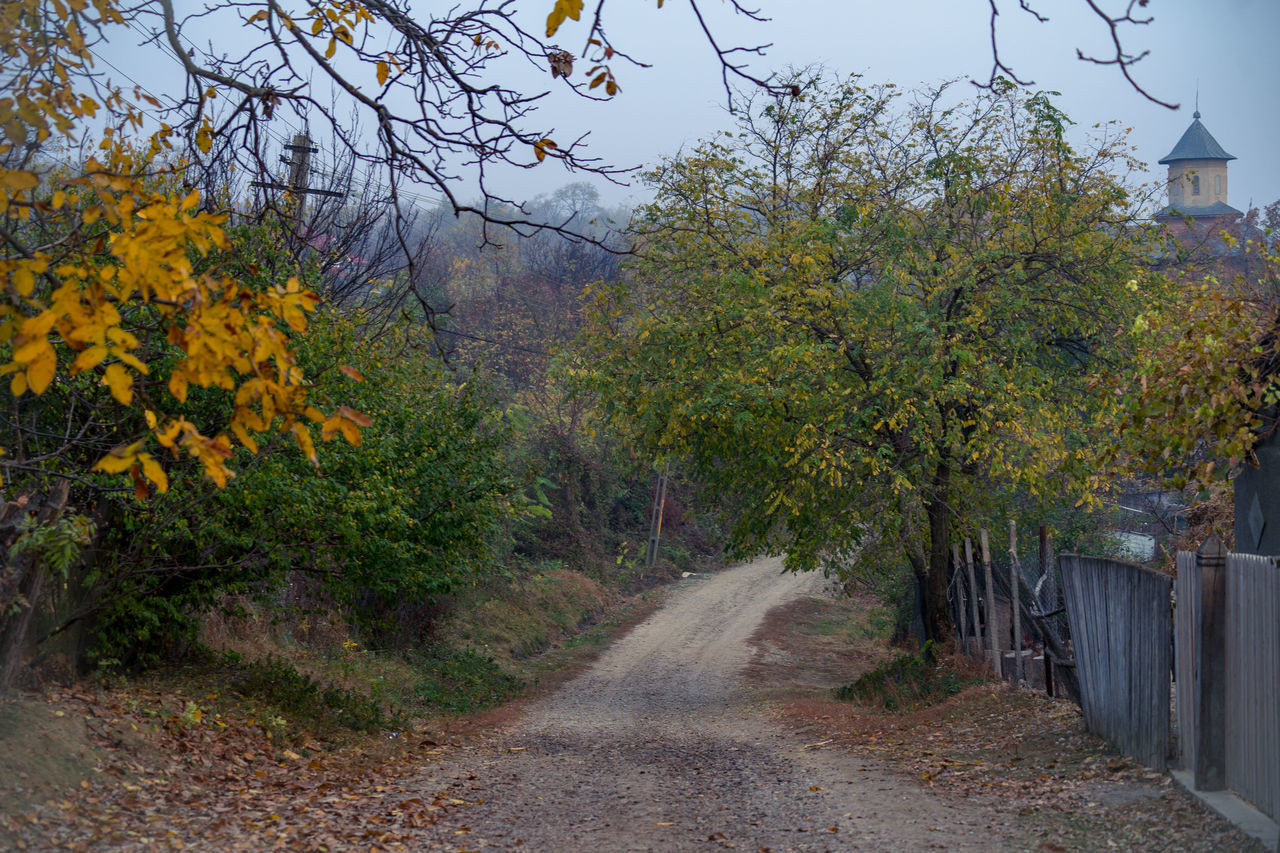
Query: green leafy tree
[(863, 322), (417, 508)]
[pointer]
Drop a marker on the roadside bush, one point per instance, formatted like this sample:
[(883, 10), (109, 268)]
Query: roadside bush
[(461, 681), (908, 682), (417, 510), (300, 699)]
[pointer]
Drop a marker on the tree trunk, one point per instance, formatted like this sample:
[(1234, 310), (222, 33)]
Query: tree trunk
[(937, 614), (15, 628), (15, 645)]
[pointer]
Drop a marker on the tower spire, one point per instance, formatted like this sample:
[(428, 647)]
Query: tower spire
[(1198, 172)]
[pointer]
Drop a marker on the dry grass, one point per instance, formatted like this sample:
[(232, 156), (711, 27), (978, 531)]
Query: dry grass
[(818, 644), (523, 620)]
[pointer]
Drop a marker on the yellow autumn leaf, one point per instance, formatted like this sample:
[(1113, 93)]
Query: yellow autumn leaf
[(561, 10), (41, 370), (153, 471), (384, 71), (243, 435), (29, 351), (24, 280), (541, 147), (17, 180), (303, 436), (119, 460), (120, 381), (132, 360), (339, 424), (356, 417), (90, 358)]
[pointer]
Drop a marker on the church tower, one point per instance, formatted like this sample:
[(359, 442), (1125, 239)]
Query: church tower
[(1197, 176)]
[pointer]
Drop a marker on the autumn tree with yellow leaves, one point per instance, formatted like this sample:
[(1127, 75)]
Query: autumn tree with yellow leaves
[(864, 319), (122, 294), (102, 265)]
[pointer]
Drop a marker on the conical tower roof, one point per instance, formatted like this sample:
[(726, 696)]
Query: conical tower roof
[(1197, 143)]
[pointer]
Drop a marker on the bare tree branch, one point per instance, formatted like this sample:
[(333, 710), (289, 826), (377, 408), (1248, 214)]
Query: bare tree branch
[(1114, 24)]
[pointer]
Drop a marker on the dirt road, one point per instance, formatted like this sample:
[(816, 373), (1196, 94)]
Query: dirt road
[(662, 746)]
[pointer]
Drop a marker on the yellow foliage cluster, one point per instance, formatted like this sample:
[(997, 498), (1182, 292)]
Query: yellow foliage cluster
[(113, 256)]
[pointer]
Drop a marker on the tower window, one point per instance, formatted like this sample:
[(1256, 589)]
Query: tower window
[(1217, 185), (1195, 185)]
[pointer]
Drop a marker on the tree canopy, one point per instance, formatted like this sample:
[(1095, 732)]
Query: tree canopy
[(860, 316), (154, 334)]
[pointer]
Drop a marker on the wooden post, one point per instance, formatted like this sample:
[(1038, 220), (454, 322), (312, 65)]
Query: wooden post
[(960, 596), (1015, 602), (1044, 551), (993, 621), (1056, 599), (973, 594), (655, 516), (299, 163), (1045, 569), (1211, 667), (300, 171)]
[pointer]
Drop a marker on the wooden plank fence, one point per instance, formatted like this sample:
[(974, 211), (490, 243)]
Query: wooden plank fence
[(1253, 680), (1120, 627), (1187, 688), (1228, 662)]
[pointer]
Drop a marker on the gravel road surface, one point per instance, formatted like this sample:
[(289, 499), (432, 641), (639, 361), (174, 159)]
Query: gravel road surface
[(662, 746)]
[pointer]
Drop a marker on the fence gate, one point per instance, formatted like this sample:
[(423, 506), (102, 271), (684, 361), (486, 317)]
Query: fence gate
[(1120, 626)]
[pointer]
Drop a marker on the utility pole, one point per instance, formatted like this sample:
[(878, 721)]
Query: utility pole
[(299, 163), (655, 516), (300, 168)]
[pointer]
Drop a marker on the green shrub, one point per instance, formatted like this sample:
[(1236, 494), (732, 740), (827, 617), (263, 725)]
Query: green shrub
[(299, 698), (461, 681), (907, 682)]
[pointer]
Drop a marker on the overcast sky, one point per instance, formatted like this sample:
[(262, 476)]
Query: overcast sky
[(1226, 47)]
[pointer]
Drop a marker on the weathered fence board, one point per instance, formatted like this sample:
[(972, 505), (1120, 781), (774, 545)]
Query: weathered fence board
[(1187, 686), (1119, 616), (1253, 681)]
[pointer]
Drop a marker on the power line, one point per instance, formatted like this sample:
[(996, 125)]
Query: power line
[(283, 139), (366, 180)]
